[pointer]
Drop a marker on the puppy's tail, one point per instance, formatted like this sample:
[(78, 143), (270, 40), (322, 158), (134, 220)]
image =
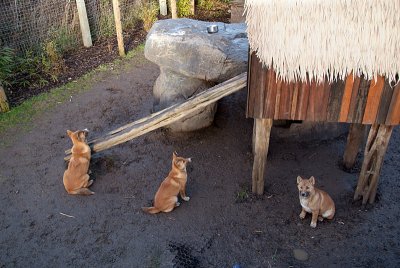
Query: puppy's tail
[(151, 210), (82, 191)]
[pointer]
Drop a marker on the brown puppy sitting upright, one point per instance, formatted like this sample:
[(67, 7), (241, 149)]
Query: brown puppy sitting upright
[(314, 201), (166, 198), (76, 178)]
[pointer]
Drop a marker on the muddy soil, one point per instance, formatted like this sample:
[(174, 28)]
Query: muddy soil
[(223, 224)]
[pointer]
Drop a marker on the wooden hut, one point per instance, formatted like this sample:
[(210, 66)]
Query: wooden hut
[(336, 61)]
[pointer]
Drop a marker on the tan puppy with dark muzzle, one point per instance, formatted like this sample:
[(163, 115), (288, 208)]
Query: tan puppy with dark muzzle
[(76, 178), (314, 201), (166, 198)]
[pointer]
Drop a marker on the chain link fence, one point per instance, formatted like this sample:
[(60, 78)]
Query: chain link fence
[(28, 24)]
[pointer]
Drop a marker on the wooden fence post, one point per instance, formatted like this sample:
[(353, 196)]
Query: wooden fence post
[(118, 27), (173, 9), (192, 7), (163, 7), (4, 107), (84, 23)]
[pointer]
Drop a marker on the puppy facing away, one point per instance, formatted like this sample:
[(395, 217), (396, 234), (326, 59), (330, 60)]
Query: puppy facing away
[(76, 178), (314, 201), (166, 198)]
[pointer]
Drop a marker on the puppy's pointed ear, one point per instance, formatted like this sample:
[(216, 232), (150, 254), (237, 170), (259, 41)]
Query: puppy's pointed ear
[(312, 180), (299, 179), (174, 155), (69, 133)]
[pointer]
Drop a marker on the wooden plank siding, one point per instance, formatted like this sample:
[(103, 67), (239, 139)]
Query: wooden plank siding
[(393, 116), (355, 100)]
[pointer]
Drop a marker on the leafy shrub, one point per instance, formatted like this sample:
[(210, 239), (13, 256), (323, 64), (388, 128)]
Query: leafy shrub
[(106, 22), (6, 65), (184, 8), (148, 14)]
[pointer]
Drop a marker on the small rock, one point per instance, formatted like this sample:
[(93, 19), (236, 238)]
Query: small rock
[(300, 254)]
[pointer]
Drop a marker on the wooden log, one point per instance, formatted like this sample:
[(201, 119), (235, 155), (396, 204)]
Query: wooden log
[(168, 115), (261, 144), (118, 27), (4, 107), (163, 7), (84, 23), (375, 149), (173, 9), (191, 7), (354, 140)]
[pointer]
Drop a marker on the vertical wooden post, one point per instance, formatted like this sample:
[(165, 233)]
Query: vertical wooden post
[(354, 140), (118, 27), (4, 107), (84, 23), (163, 7), (261, 144), (173, 9), (375, 149), (192, 7)]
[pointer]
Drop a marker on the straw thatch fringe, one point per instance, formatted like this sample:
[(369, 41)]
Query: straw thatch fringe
[(326, 39)]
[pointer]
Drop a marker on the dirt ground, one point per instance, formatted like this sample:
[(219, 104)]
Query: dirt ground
[(222, 224)]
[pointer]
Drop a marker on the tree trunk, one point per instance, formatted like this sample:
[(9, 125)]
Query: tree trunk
[(375, 149), (4, 107), (173, 9)]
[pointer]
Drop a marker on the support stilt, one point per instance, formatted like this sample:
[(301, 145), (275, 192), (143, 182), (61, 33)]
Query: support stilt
[(261, 143), (354, 140), (375, 149)]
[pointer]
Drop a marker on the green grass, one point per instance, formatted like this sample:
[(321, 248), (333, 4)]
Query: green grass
[(22, 115)]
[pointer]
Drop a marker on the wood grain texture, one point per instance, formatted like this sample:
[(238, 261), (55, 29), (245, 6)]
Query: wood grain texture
[(384, 103), (373, 100), (335, 100), (311, 102), (346, 98), (321, 101), (302, 101), (356, 115), (393, 116), (271, 88), (353, 100)]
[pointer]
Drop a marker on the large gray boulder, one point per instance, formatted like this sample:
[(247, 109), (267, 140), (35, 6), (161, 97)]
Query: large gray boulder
[(192, 60)]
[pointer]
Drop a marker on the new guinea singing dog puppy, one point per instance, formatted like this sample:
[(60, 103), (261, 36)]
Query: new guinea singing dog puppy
[(76, 178), (166, 198), (314, 201)]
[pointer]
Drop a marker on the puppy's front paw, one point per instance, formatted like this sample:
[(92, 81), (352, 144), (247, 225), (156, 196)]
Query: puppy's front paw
[(186, 198), (313, 224), (320, 218), (302, 215), (177, 204)]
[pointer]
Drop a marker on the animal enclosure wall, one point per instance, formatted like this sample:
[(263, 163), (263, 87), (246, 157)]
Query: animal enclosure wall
[(26, 24)]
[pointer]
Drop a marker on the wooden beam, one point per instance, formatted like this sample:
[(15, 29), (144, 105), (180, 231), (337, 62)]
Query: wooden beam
[(118, 27), (375, 149), (354, 140), (168, 115), (84, 23), (262, 131)]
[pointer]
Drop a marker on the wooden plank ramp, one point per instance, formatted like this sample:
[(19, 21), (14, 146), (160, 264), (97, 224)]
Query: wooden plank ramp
[(166, 116)]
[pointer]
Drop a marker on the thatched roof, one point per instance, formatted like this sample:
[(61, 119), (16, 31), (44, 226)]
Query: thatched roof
[(326, 38)]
